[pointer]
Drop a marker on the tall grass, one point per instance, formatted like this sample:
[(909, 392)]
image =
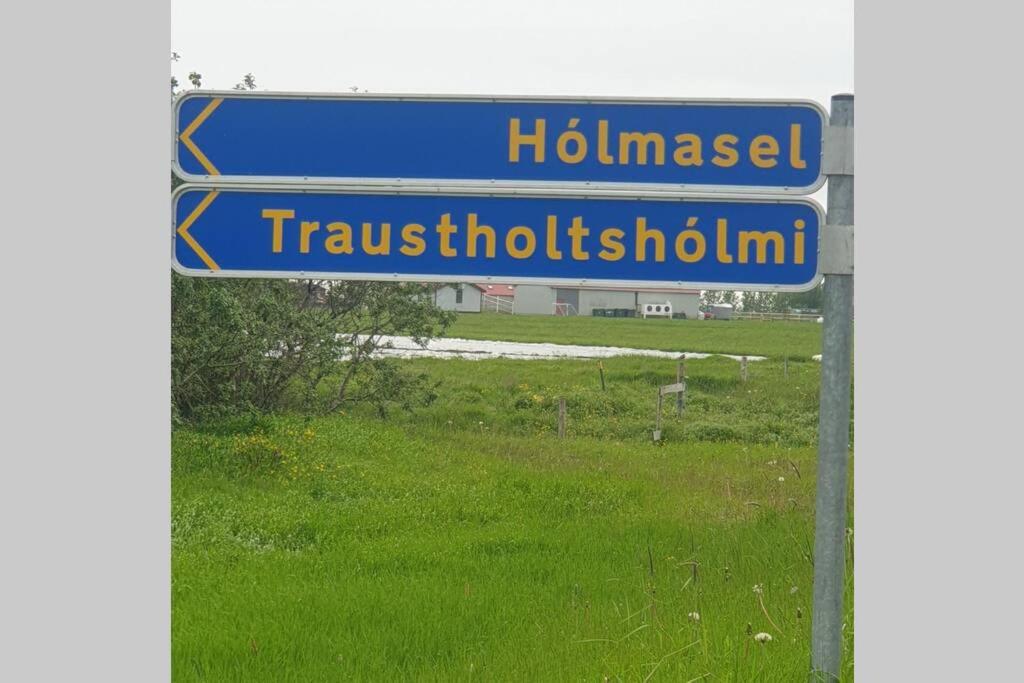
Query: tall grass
[(465, 541)]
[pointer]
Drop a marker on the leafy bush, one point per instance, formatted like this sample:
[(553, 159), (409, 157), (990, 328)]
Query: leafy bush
[(261, 345)]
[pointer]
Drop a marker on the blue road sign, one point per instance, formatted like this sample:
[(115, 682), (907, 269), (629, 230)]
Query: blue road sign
[(679, 145), (361, 234)]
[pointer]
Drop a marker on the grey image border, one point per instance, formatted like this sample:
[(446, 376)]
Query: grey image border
[(501, 99), (937, 475), (938, 392), (463, 192), (86, 435)]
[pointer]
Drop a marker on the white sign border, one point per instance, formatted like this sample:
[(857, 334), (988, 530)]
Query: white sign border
[(408, 277), (680, 188)]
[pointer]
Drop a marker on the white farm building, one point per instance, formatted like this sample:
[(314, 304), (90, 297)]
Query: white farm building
[(548, 300)]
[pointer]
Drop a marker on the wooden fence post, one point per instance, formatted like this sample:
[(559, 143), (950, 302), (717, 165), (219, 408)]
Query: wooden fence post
[(680, 379), (657, 419), (561, 418)]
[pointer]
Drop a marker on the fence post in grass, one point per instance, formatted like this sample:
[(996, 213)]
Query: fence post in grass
[(600, 367), (561, 418), (657, 417), (743, 368), (680, 379)]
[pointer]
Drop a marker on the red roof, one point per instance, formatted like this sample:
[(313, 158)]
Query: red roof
[(496, 290)]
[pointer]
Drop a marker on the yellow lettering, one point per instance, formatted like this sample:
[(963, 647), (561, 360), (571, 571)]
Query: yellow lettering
[(306, 228), (611, 240), (761, 239), (340, 243), (412, 235), (474, 230), (690, 235), (794, 147), (688, 153), (798, 242), (641, 140), (575, 137), (721, 241), (516, 139), (278, 216), (602, 143), (510, 242), (643, 234), (552, 239), (382, 248), (762, 150), (576, 233), (726, 154), (445, 229)]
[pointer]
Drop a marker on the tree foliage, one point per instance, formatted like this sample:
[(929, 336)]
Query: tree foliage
[(718, 296), (764, 302), (248, 83), (264, 345)]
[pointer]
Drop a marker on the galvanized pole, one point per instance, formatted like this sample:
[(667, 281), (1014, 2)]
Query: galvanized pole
[(834, 415)]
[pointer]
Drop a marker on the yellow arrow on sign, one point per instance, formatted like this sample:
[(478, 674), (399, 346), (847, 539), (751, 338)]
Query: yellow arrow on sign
[(183, 230), (186, 136)]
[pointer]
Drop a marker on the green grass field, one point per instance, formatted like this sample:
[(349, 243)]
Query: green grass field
[(465, 541), (739, 337)]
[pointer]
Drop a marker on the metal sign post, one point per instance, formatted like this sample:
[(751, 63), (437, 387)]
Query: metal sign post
[(834, 413)]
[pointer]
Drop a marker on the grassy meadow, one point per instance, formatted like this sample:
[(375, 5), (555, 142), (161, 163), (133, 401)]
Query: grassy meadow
[(465, 541), (779, 339)]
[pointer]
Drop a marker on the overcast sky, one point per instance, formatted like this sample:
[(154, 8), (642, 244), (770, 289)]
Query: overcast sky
[(659, 48), (670, 48)]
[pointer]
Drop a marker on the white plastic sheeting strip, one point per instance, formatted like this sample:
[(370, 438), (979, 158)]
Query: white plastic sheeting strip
[(478, 349)]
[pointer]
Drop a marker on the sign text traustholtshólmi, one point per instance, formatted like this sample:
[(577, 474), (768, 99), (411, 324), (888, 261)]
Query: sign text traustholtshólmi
[(360, 234)]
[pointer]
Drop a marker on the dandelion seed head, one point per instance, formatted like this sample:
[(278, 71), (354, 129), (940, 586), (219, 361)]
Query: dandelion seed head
[(763, 637), (694, 616)]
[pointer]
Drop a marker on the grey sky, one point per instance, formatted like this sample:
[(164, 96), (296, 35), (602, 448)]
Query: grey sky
[(696, 48)]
